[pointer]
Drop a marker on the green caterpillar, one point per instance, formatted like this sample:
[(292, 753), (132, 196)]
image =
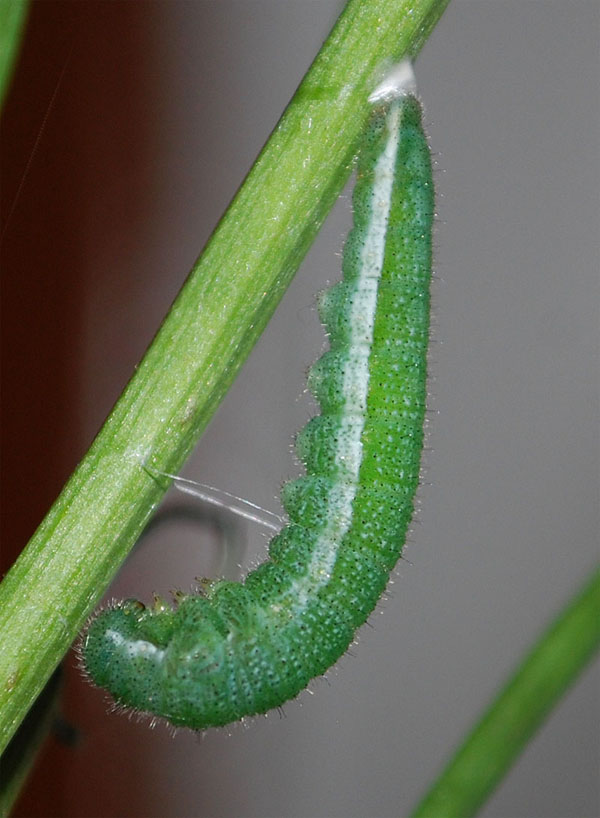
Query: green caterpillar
[(239, 649)]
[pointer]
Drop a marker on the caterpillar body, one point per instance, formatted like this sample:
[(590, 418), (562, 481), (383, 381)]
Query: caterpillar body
[(239, 649)]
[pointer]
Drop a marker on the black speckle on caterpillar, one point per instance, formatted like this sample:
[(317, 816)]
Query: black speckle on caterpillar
[(238, 649)]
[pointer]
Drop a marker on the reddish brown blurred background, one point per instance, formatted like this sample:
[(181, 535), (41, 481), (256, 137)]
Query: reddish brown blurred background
[(72, 53)]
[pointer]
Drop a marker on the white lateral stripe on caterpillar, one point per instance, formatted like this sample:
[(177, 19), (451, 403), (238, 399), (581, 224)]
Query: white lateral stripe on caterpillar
[(355, 382)]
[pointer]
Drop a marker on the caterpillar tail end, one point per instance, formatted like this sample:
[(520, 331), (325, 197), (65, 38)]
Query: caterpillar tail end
[(399, 81)]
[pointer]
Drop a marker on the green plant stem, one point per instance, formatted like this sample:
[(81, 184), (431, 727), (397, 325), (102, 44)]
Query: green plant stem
[(13, 14), (219, 314), (513, 717)]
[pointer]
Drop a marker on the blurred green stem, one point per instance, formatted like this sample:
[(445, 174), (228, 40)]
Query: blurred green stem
[(487, 754), (21, 753), (13, 14), (219, 314)]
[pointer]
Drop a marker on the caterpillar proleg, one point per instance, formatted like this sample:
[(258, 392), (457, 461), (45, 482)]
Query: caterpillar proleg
[(239, 649)]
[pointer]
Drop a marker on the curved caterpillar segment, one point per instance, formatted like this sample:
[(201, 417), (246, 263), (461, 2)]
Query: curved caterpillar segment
[(240, 649)]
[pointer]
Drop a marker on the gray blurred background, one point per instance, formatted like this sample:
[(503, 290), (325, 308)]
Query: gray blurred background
[(160, 110)]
